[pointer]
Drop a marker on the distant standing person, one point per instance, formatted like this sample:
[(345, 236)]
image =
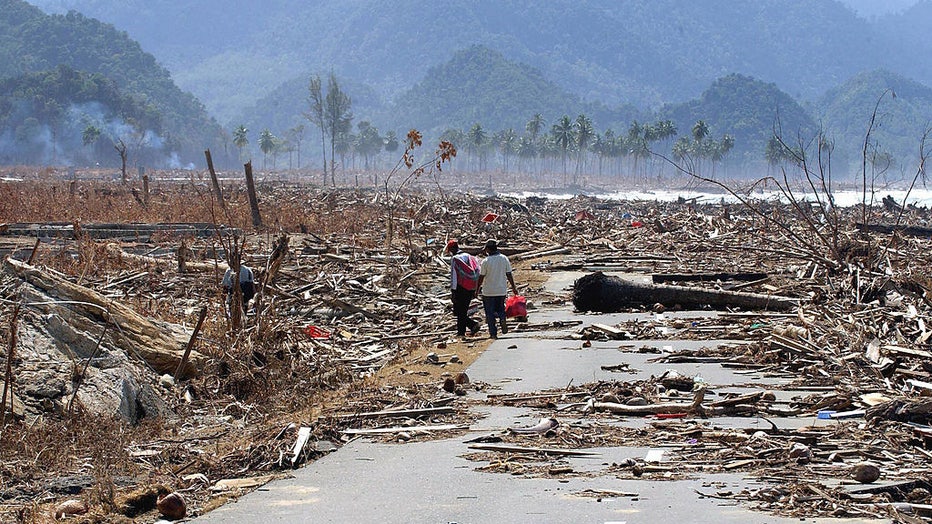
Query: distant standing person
[(247, 285), (494, 278), (464, 280)]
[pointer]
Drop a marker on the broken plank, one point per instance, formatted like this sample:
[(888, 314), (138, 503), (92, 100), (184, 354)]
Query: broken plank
[(660, 278), (303, 435), (504, 448), (400, 429), (411, 413)]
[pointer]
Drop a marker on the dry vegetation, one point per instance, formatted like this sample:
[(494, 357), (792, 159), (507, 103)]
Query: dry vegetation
[(263, 382), (386, 309)]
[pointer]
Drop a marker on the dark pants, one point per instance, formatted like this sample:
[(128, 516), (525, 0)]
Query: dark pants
[(248, 289), (494, 308), (461, 299)]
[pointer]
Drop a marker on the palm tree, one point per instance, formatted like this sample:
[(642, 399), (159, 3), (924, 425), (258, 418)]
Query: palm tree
[(562, 133), (315, 100), (266, 145), (636, 142), (700, 130), (296, 136), (774, 153), (526, 148), (241, 139), (701, 149), (534, 126), (476, 138), (584, 135), (507, 142), (337, 117)]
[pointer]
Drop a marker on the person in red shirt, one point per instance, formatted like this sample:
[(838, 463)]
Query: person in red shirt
[(464, 276)]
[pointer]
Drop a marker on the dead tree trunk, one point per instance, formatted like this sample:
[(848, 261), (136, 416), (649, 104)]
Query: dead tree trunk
[(608, 294), (159, 344), (213, 178), (253, 198)]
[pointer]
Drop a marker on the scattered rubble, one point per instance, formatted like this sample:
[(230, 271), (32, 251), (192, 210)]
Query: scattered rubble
[(108, 328)]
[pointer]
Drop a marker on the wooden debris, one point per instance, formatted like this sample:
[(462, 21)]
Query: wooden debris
[(159, 344)]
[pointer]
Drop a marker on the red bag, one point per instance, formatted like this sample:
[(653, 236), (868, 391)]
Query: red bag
[(516, 306)]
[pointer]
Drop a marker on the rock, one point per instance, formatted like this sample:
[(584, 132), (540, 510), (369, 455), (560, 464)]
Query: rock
[(45, 385), (637, 401), (865, 472), (461, 378), (167, 381), (659, 308), (769, 396), (433, 358), (449, 385), (800, 452), (608, 397), (172, 506), (69, 508), (454, 359), (673, 380)]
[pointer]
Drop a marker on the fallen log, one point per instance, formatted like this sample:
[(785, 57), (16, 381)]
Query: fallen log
[(159, 344), (609, 294), (165, 262), (913, 231), (649, 409), (660, 278)]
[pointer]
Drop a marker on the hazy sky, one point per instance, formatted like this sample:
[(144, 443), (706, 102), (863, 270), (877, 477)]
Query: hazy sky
[(869, 8)]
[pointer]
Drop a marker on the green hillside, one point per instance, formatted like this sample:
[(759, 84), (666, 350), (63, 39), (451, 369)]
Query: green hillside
[(904, 115), (642, 52), (46, 117), (478, 85), (34, 42), (749, 110)]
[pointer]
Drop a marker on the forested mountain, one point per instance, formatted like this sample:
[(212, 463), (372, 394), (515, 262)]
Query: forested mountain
[(478, 85), (742, 68), (904, 115), (94, 54), (644, 52), (748, 110), (61, 114)]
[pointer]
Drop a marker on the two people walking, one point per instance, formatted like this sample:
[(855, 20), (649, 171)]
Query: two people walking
[(491, 279)]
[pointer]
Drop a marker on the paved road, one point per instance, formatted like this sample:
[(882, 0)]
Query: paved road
[(432, 482)]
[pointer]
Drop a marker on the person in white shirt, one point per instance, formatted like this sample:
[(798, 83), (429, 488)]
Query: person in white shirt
[(247, 285), (495, 277)]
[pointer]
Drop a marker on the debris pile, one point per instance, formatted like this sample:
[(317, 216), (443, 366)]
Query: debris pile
[(336, 307)]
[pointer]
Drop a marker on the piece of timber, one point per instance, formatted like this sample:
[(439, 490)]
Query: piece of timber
[(504, 448), (160, 344), (660, 278), (411, 413)]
